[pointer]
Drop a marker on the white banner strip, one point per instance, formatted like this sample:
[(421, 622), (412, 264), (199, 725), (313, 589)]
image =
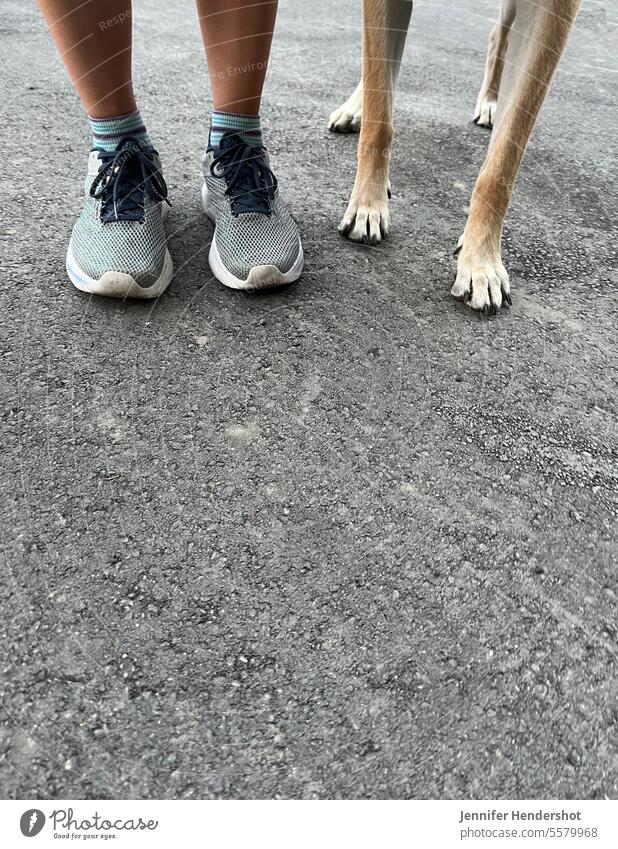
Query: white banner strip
[(309, 825)]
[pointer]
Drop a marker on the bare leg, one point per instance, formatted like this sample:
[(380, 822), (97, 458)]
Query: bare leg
[(95, 46), (385, 27), (487, 100), (536, 41), (237, 35)]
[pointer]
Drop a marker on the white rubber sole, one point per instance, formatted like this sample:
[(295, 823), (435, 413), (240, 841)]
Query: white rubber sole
[(116, 284), (260, 276)]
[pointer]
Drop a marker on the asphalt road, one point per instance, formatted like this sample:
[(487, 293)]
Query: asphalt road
[(345, 540)]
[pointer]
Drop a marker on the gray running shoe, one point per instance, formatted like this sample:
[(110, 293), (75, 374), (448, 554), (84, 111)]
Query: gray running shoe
[(256, 243), (118, 246)]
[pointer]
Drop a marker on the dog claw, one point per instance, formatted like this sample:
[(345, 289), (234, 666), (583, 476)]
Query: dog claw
[(507, 297), (457, 250)]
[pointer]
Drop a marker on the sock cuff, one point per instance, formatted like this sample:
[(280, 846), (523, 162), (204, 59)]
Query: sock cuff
[(218, 114), (248, 126), (107, 132)]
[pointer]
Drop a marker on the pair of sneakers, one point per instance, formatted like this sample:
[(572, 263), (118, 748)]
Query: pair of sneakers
[(119, 248)]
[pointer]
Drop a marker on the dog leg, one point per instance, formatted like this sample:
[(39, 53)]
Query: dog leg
[(385, 25), (537, 39), (487, 100), (347, 119)]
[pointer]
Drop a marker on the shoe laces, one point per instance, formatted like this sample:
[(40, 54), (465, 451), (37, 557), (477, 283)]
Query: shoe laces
[(125, 175), (250, 184)]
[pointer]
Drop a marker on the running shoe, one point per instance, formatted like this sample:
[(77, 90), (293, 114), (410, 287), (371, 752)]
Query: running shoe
[(256, 243), (118, 245)]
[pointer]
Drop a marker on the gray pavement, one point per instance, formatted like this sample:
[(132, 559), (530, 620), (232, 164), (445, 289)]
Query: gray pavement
[(345, 540)]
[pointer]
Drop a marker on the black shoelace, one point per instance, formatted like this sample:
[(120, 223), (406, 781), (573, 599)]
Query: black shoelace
[(126, 174), (250, 184)]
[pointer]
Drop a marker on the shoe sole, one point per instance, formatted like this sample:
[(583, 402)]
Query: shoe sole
[(260, 276), (116, 284)]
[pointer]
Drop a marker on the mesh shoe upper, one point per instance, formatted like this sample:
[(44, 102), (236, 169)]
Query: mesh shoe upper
[(254, 227), (121, 227)]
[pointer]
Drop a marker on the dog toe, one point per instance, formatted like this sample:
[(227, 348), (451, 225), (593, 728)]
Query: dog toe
[(345, 226), (358, 231)]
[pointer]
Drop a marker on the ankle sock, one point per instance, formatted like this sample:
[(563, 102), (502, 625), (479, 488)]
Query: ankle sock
[(248, 126), (107, 132)]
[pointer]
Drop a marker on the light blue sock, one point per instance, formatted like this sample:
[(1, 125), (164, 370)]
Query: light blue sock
[(248, 126), (108, 132)]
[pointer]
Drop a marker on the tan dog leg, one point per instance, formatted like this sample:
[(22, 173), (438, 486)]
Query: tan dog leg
[(487, 100), (347, 119), (536, 40), (385, 26)]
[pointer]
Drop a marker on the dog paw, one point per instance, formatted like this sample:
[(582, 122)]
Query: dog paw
[(485, 112), (344, 121), (482, 281), (347, 119), (366, 220)]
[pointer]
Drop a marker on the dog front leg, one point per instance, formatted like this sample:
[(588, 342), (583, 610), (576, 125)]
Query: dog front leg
[(536, 41), (385, 24), (347, 118), (487, 100)]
